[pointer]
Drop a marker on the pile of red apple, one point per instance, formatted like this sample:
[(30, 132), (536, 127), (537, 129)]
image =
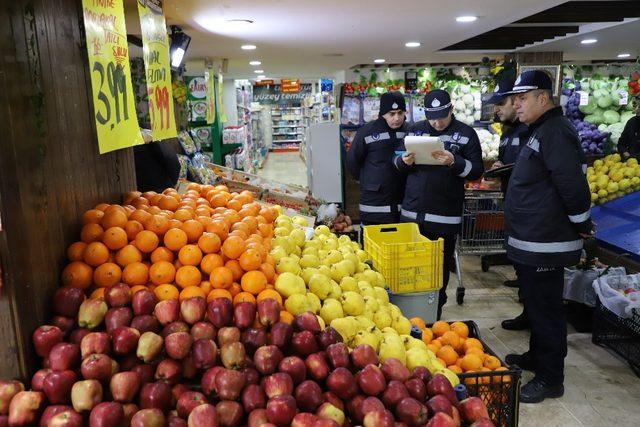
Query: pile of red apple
[(131, 360)]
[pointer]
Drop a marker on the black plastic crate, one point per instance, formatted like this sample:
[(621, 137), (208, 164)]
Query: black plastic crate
[(500, 391), (618, 334)]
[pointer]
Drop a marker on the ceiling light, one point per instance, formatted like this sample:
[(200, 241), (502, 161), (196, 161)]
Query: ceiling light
[(262, 77), (248, 47), (412, 44), (258, 71), (379, 61), (624, 55), (254, 63), (589, 41), (468, 18)]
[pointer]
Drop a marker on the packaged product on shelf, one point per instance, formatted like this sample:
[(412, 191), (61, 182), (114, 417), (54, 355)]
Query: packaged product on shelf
[(184, 161), (417, 109), (187, 143), (197, 111), (199, 170), (370, 108), (351, 111), (202, 137)]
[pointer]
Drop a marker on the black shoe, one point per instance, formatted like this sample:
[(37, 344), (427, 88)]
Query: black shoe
[(511, 283), (535, 391), (520, 323), (524, 361)]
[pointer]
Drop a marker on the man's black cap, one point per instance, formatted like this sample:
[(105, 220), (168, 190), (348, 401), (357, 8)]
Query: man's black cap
[(532, 80), (390, 101), (437, 104)]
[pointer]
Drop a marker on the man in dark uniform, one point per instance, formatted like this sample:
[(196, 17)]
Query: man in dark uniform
[(434, 195), (370, 161), (547, 216), (629, 142)]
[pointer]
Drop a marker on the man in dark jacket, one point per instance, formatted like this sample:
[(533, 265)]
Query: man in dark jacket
[(547, 216), (157, 165), (434, 195), (370, 161), (629, 142)]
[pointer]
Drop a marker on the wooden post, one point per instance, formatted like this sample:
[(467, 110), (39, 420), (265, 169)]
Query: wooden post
[(50, 168)]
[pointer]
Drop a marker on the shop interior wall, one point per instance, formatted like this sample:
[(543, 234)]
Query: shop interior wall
[(50, 168)]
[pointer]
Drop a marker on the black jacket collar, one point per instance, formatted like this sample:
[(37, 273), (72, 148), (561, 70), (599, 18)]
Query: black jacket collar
[(554, 112)]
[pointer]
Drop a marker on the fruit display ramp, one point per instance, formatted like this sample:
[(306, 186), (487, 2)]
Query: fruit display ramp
[(618, 225)]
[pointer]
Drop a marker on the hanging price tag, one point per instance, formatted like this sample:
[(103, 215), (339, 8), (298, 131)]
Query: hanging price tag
[(113, 102), (155, 45), (584, 97), (624, 97)]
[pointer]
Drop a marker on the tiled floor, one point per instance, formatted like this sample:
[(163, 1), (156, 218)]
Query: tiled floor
[(287, 168), (600, 389)]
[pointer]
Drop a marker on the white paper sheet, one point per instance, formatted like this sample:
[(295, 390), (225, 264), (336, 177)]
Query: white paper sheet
[(423, 146)]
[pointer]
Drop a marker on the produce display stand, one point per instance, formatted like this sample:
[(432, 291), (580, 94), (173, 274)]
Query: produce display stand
[(618, 225)]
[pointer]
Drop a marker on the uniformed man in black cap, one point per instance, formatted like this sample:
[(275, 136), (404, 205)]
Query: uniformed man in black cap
[(434, 194), (547, 216), (370, 161)]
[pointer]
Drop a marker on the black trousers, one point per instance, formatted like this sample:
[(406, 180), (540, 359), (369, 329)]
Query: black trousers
[(449, 248), (542, 290)]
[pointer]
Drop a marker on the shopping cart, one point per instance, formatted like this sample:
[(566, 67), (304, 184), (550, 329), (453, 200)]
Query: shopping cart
[(482, 231)]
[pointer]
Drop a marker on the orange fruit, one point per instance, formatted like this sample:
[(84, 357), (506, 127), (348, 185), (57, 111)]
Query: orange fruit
[(175, 239), (188, 275), (114, 218), (91, 233), (250, 260), (147, 241), (254, 282), (209, 243), (235, 268), (451, 338), (418, 322), (162, 272), (439, 328), (485, 379), (132, 229), (442, 362), (183, 215), (210, 262), (221, 278), (77, 274), (192, 292), (471, 342), (427, 335), (502, 378), (455, 368), (157, 224), (190, 255), (161, 254), (286, 317), (135, 273), (219, 293), (139, 215), (75, 251), (233, 247), (270, 293), (269, 271), (492, 362), (97, 293), (234, 289), (476, 351), (448, 355), (92, 216), (137, 288), (168, 203), (115, 238), (106, 275), (434, 346), (461, 329), (127, 255), (166, 292), (220, 228), (471, 362), (193, 229), (95, 254), (244, 297), (205, 285)]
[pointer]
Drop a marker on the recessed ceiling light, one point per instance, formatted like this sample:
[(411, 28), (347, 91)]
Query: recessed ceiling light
[(379, 61), (589, 41), (624, 55), (254, 63), (248, 47), (468, 18), (412, 44), (262, 77), (258, 71)]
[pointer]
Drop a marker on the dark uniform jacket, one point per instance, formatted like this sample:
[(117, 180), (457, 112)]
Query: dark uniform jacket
[(157, 165), (370, 161), (434, 194), (629, 141), (510, 145), (548, 199)]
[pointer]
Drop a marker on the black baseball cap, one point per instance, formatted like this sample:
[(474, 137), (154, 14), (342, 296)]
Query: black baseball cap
[(532, 80), (437, 104), (501, 91)]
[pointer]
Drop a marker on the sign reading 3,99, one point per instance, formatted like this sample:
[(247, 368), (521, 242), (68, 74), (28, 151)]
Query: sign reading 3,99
[(113, 102)]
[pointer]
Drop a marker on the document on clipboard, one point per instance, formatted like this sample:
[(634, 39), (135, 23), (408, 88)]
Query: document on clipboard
[(423, 146)]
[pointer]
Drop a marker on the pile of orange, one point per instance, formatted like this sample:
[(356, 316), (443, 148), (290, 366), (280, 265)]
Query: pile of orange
[(453, 347), (207, 242)]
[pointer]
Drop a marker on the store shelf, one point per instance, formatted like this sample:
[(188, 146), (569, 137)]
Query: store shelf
[(284, 141), (285, 134), (227, 148), (289, 126), (285, 150)]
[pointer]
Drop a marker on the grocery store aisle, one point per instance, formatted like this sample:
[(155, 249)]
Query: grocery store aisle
[(287, 168), (600, 389)]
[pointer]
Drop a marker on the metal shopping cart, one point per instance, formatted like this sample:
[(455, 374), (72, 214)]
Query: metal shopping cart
[(482, 230)]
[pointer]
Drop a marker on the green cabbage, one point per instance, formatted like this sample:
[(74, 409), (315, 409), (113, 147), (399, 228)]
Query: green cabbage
[(590, 108), (611, 117)]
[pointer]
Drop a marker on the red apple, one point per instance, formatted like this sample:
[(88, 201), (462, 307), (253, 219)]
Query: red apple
[(65, 324), (332, 398), (91, 313), (338, 355), (364, 355), (228, 334), (307, 321), (229, 384), (325, 422), (354, 408), (67, 301), (130, 409), (118, 295), (177, 391), (8, 389), (277, 384), (308, 396), (439, 384), (64, 356), (257, 418), (175, 421), (304, 343), (203, 331), (416, 389), (244, 314), (472, 409), (204, 353), (394, 369), (50, 412), (379, 418), (152, 417), (317, 366), (203, 415), (78, 335), (167, 311), (371, 404), (327, 337), (174, 327), (124, 340), (188, 401), (441, 420), (193, 310), (281, 334), (107, 414), (146, 372), (253, 397), (67, 418), (156, 395), (146, 323), (267, 359), (57, 387), (268, 311), (149, 347), (37, 381), (411, 412), (229, 413), (25, 408), (482, 422), (220, 312), (169, 370), (117, 317), (455, 414), (143, 302), (233, 355), (394, 393), (281, 410), (421, 373), (95, 343), (124, 386), (208, 381), (304, 419), (189, 369), (178, 345), (85, 395), (342, 382), (253, 339), (295, 367), (440, 403), (331, 412), (251, 375), (97, 367), (45, 337)]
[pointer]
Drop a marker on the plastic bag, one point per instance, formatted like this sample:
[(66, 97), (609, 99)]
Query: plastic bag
[(611, 290), (578, 284), (327, 212)]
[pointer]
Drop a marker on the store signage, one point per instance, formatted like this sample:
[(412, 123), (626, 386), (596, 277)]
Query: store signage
[(290, 86), (209, 79), (113, 101), (264, 82), (198, 87), (272, 94), (326, 85), (155, 45)]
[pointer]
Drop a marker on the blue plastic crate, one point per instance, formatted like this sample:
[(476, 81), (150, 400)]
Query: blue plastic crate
[(618, 224)]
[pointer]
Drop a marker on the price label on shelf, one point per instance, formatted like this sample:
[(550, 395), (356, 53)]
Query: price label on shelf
[(155, 45), (113, 102), (584, 97), (624, 97)]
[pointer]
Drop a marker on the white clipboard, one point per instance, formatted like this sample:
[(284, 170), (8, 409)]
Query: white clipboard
[(423, 146)]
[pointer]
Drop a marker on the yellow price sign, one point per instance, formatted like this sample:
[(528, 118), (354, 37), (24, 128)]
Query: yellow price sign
[(113, 102), (155, 44)]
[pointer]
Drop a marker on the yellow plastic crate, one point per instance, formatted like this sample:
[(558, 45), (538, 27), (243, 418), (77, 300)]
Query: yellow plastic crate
[(409, 261)]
